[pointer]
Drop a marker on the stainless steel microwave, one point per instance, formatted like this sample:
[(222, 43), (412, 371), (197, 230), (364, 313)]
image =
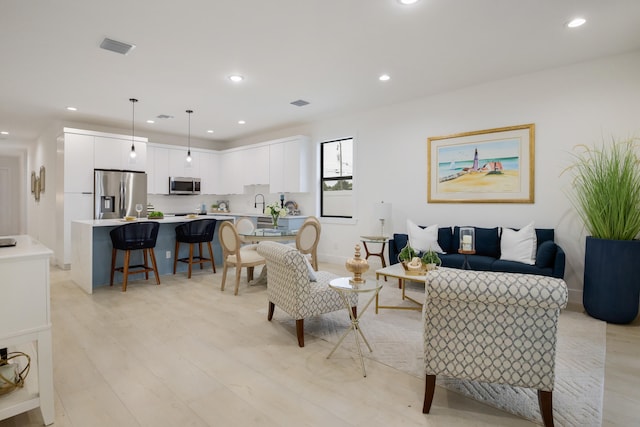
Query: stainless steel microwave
[(182, 185)]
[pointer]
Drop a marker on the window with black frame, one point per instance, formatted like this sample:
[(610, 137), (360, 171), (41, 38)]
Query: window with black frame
[(336, 182)]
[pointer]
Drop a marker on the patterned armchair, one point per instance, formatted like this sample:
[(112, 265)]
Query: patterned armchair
[(296, 288), (493, 327)]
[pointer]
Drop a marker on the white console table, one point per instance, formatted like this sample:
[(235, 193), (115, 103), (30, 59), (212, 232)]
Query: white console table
[(25, 323)]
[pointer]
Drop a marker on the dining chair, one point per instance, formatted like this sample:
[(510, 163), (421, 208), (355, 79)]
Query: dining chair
[(235, 255), (195, 232), (131, 237), (308, 238), (245, 226)]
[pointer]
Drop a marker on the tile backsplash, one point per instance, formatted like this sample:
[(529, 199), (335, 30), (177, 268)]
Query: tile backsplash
[(238, 203)]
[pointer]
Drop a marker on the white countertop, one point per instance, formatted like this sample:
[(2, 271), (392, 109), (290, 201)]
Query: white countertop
[(237, 214), (165, 220), (27, 246)]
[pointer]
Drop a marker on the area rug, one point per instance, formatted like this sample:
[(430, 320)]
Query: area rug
[(396, 339)]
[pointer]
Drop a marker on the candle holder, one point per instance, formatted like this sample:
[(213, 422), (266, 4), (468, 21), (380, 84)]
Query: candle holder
[(467, 239)]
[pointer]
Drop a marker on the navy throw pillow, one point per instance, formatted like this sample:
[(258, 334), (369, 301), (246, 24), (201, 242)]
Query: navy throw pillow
[(546, 254)]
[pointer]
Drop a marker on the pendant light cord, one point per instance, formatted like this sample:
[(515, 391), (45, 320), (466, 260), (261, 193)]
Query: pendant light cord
[(133, 124), (189, 136)]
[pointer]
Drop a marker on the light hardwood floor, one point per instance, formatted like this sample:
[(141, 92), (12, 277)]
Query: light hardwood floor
[(185, 354)]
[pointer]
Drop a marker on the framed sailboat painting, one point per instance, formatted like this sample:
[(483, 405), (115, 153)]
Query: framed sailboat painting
[(486, 166)]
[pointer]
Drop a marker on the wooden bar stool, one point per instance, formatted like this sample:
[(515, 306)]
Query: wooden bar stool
[(131, 237), (199, 231)]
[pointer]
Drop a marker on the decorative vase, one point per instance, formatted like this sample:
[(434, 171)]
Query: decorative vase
[(357, 266), (274, 220), (611, 280)]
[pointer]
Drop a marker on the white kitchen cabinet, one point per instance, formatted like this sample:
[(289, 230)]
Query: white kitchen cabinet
[(289, 166), (150, 170), (255, 162), (232, 169), (157, 170), (210, 173), (114, 153), (78, 163), (178, 165)]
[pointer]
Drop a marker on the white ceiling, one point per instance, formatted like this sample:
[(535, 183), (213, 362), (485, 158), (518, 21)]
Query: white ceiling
[(327, 52)]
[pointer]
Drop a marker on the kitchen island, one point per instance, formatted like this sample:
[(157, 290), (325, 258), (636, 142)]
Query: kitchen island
[(91, 249)]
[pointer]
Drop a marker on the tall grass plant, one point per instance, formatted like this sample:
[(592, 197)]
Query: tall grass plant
[(606, 188)]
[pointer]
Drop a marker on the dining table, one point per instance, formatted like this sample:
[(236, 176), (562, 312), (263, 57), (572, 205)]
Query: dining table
[(262, 234)]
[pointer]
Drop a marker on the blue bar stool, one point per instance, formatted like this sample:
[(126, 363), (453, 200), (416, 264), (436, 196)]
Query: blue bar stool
[(131, 237), (198, 231)]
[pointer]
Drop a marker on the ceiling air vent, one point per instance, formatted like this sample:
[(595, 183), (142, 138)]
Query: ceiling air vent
[(164, 116), (300, 103), (116, 46)]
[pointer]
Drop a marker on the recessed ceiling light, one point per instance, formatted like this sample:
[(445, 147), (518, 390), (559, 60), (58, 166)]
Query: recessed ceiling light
[(384, 77), (72, 109), (241, 122), (576, 22), (236, 78), (150, 122), (4, 132), (210, 131), (407, 2)]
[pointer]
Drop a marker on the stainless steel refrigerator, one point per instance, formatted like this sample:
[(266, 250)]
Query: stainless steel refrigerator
[(116, 193)]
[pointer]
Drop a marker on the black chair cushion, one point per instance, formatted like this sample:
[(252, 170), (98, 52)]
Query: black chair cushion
[(197, 231), (137, 235)]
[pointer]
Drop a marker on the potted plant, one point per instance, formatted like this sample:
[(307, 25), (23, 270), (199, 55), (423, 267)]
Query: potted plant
[(431, 259), (606, 183), (406, 254), (155, 215)]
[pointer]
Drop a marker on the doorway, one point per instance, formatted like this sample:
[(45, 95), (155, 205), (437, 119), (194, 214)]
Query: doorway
[(9, 196)]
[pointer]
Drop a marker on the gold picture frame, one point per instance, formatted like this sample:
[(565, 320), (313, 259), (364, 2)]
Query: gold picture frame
[(486, 166)]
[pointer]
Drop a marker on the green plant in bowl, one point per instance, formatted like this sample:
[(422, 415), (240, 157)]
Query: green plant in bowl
[(406, 254), (155, 215), (431, 257)]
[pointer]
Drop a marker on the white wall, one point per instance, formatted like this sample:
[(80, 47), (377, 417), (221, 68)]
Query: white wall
[(41, 217), (572, 105), (11, 191)]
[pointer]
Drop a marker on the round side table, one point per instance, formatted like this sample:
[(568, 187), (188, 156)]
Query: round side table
[(345, 287)]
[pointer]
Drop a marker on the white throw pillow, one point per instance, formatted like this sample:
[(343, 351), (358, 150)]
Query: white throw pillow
[(423, 239), (312, 272), (519, 245)]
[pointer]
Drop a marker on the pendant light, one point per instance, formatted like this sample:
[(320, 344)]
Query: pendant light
[(132, 154), (189, 137)]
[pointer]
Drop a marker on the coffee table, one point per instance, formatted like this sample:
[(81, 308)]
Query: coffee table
[(397, 271)]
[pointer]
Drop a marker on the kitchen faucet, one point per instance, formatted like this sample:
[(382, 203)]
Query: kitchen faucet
[(255, 201)]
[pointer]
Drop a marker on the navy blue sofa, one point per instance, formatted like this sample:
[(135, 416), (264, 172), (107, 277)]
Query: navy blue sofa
[(550, 258)]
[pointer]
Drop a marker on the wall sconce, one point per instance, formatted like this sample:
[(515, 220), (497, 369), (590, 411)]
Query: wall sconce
[(38, 183)]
